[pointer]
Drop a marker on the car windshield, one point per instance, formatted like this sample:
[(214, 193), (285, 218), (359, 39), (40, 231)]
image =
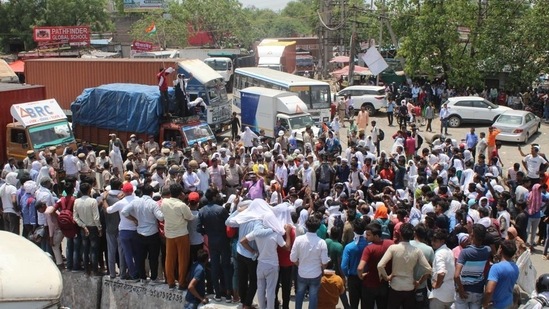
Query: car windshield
[(301, 122), (198, 133), (217, 65), (511, 120), (51, 134)]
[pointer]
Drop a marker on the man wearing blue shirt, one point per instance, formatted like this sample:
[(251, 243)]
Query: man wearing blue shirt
[(502, 278), (349, 262), (471, 139)]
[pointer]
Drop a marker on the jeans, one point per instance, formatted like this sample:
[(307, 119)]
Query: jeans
[(473, 301), (354, 286), (128, 240), (390, 118), (313, 284), (546, 246), (429, 128), (323, 187), (73, 252), (114, 247), (11, 222), (267, 278), (532, 230), (220, 260), (444, 126), (247, 279), (90, 247), (284, 282), (148, 246), (375, 296)]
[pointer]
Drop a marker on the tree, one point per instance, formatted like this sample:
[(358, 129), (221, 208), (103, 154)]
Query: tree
[(21, 16), (170, 32)]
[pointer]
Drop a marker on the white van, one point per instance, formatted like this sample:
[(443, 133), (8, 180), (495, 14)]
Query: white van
[(29, 279)]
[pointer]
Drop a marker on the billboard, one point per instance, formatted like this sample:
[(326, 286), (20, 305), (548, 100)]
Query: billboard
[(143, 46), (74, 35), (143, 5)]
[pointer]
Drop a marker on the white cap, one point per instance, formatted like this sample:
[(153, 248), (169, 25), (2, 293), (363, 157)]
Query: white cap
[(203, 165), (280, 133)]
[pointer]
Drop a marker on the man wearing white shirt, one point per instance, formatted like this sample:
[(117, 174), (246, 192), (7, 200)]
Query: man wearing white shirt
[(191, 180), (310, 254), (147, 213), (443, 293), (70, 163), (281, 172), (204, 176), (443, 115), (127, 230), (9, 167)]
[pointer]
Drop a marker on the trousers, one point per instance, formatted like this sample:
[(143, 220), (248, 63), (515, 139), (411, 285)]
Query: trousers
[(267, 278), (177, 249)]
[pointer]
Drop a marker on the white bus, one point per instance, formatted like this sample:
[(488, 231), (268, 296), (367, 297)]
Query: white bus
[(314, 93)]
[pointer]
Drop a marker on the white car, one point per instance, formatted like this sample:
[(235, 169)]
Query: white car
[(474, 110), (517, 126), (372, 97)]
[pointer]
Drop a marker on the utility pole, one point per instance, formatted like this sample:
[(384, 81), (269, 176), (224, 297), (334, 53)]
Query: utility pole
[(352, 56), (381, 18)]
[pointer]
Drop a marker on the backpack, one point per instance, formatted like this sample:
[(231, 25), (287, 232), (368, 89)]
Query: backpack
[(385, 232), (65, 219), (380, 135)]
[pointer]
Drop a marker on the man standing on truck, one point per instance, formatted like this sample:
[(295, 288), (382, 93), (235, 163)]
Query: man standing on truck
[(181, 97), (162, 78)]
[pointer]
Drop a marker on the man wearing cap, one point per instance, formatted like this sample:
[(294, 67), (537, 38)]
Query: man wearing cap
[(162, 78), (132, 144), (159, 176), (234, 174), (147, 213), (112, 142), (307, 176), (27, 161), (82, 165), (151, 144), (204, 175), (129, 160), (176, 217)]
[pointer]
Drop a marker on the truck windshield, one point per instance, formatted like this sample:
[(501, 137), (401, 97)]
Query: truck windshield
[(197, 134), (217, 95), (51, 134), (217, 65), (300, 122)]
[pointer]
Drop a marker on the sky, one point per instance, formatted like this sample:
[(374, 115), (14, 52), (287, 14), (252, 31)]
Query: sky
[(274, 5)]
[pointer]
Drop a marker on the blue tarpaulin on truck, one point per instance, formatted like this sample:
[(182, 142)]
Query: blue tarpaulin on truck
[(123, 107)]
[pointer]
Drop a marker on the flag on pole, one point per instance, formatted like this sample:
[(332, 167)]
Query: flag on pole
[(151, 29)]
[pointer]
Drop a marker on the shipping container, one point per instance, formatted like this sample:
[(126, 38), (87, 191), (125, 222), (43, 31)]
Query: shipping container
[(65, 79), (14, 94)]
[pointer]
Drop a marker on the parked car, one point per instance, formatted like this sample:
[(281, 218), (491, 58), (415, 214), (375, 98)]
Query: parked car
[(372, 97), (475, 110), (517, 126)]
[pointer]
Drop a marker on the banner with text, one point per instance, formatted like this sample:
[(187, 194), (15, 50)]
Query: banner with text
[(142, 46), (74, 35), (143, 5)]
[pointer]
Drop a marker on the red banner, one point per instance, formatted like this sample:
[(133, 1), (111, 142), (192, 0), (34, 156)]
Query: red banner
[(142, 46), (70, 34)]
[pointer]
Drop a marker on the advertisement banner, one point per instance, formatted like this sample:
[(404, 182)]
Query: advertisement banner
[(142, 46), (70, 34), (143, 5)]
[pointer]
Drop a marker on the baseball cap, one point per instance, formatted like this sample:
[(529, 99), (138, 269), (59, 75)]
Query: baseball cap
[(127, 188), (194, 197)]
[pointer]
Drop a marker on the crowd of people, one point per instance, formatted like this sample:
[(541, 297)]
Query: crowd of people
[(413, 227)]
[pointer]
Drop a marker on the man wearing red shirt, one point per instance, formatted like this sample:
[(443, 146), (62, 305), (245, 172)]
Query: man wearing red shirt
[(387, 172), (162, 78), (374, 291)]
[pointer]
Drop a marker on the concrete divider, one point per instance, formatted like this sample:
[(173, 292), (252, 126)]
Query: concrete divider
[(119, 294), (81, 291)]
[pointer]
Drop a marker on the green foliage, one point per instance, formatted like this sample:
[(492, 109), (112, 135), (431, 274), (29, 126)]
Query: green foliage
[(19, 17), (170, 32)]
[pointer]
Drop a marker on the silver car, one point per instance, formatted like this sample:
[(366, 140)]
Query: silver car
[(517, 126)]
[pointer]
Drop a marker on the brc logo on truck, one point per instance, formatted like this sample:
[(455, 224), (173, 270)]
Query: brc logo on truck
[(37, 112)]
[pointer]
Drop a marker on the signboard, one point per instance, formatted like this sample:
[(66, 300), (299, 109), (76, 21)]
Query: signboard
[(74, 35), (142, 46), (143, 5), (374, 61), (37, 112)]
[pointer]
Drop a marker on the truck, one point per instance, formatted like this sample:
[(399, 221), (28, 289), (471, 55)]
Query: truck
[(202, 53), (277, 55), (263, 107), (305, 65), (225, 63), (72, 76), (39, 125), (209, 86), (30, 278), (126, 109)]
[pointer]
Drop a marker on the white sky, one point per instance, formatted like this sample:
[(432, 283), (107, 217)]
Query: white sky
[(274, 5)]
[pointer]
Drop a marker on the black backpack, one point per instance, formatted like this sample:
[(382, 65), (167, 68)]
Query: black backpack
[(380, 135)]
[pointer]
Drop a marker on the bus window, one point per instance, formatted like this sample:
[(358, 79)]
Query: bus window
[(320, 96), (305, 96)]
